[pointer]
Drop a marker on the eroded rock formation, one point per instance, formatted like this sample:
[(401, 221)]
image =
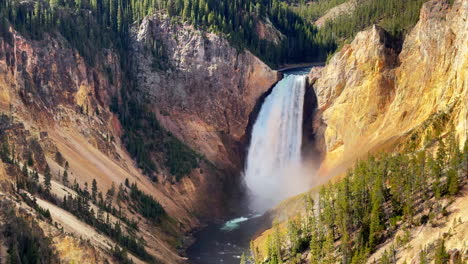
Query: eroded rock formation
[(370, 95)]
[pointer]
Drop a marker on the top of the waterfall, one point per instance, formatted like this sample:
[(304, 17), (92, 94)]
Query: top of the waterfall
[(298, 71)]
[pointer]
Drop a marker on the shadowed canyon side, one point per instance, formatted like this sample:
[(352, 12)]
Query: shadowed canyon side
[(370, 92)]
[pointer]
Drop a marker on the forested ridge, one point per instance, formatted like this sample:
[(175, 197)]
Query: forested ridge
[(378, 197), (396, 16), (90, 25), (105, 24)]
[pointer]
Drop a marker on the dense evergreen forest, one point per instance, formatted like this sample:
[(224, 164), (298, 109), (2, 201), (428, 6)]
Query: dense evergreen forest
[(91, 25), (313, 10), (148, 142), (395, 16), (378, 197)]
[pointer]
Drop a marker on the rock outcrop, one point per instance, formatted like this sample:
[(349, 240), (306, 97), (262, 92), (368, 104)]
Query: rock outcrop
[(48, 74), (370, 95), (206, 89)]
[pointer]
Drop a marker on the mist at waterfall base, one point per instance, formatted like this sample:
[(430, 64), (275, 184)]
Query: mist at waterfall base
[(274, 169), (273, 172)]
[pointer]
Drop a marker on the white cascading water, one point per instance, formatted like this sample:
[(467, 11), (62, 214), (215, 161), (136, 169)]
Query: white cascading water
[(273, 171)]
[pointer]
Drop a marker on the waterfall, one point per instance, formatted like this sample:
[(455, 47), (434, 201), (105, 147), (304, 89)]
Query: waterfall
[(273, 170)]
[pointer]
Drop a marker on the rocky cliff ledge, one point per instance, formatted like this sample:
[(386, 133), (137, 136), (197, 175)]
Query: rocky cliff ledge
[(205, 89), (371, 95)]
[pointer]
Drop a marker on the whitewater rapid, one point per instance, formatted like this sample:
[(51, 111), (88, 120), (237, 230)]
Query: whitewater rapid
[(273, 170)]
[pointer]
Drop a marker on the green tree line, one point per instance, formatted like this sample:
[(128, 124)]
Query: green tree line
[(90, 25)]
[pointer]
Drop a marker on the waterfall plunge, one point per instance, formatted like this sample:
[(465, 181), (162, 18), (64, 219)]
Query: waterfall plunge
[(274, 170)]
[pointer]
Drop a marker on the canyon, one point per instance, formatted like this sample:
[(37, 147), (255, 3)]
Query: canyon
[(376, 94)]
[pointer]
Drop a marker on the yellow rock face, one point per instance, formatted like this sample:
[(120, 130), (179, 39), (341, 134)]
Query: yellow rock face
[(72, 251), (369, 96)]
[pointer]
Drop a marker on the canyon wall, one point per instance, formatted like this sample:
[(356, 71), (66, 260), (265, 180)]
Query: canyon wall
[(371, 95), (204, 91)]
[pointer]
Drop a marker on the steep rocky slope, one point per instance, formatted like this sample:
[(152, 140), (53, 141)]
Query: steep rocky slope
[(370, 95), (204, 91)]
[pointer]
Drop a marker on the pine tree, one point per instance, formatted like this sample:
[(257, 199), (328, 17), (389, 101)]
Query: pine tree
[(121, 193), (441, 255), (94, 190), (5, 153), (30, 159), (423, 257), (275, 245), (110, 194), (36, 177), (442, 154), (329, 249), (85, 190), (243, 260), (187, 9), (294, 235), (47, 179), (452, 182), (255, 253), (376, 213), (315, 241), (65, 178), (25, 170), (436, 174)]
